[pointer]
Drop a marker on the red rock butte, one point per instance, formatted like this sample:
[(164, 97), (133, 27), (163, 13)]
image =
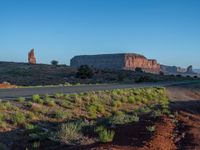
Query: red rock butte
[(125, 61), (31, 57)]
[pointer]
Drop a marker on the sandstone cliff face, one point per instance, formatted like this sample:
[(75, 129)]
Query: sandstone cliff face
[(139, 61), (31, 57), (127, 61)]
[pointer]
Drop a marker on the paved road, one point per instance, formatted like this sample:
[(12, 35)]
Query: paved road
[(27, 92)]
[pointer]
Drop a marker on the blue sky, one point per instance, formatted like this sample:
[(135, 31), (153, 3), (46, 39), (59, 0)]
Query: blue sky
[(167, 30)]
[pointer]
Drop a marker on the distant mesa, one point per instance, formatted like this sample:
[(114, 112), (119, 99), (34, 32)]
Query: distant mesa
[(128, 61), (123, 61), (31, 57)]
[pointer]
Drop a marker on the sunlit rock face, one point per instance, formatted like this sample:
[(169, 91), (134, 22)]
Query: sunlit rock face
[(126, 61), (31, 57)]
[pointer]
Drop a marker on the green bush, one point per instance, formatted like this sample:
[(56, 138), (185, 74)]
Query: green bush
[(92, 111), (21, 99), (104, 134), (49, 102), (2, 117), (122, 118), (131, 99), (18, 118), (84, 72), (116, 104), (59, 96), (7, 106), (36, 98), (59, 114)]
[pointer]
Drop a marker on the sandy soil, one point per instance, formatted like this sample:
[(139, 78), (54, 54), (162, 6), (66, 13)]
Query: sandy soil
[(186, 101)]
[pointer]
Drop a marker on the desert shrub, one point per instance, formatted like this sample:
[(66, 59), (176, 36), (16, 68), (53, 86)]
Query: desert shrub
[(59, 95), (157, 113), (64, 104), (36, 144), (69, 133), (2, 121), (18, 118), (116, 104), (38, 109), (49, 102), (104, 134), (30, 115), (131, 99), (54, 62), (124, 99), (92, 111), (59, 114), (36, 98), (95, 107), (76, 99), (137, 69), (7, 106), (21, 99), (29, 104), (151, 128), (84, 72), (2, 117), (122, 118)]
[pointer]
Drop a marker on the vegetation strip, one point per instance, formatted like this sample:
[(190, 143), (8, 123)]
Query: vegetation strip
[(78, 119)]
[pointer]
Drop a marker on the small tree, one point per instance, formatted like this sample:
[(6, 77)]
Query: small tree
[(84, 72), (138, 69), (54, 62)]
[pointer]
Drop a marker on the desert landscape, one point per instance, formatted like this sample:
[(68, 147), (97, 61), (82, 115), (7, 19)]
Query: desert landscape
[(99, 75)]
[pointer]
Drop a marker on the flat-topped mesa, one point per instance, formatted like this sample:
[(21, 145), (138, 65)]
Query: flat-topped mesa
[(31, 57), (125, 61)]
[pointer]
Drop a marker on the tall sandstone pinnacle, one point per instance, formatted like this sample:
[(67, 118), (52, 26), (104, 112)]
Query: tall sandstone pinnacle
[(31, 57)]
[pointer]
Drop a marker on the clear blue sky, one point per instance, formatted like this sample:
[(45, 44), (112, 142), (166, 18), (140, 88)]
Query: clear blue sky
[(167, 30)]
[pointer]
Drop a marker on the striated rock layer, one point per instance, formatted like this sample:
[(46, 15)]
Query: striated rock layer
[(31, 57), (126, 61)]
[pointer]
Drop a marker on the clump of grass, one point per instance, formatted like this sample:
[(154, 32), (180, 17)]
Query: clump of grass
[(122, 118), (94, 108), (131, 99), (76, 98), (36, 98), (151, 128), (69, 133), (59, 114), (116, 103), (18, 118), (31, 115), (2, 121), (29, 104), (49, 102), (36, 144), (104, 134), (59, 95), (8, 106), (21, 99)]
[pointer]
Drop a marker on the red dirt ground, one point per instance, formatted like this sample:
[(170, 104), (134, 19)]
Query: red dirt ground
[(136, 138), (5, 86)]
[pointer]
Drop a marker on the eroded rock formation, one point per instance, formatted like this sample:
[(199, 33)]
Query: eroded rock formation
[(127, 61), (31, 57), (174, 70), (133, 61)]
